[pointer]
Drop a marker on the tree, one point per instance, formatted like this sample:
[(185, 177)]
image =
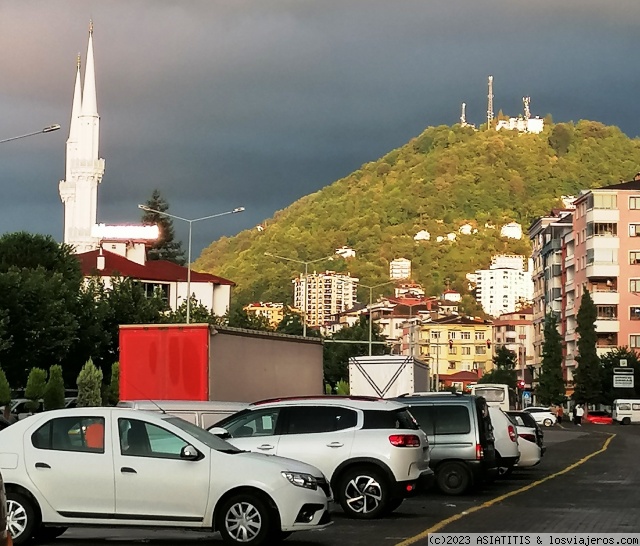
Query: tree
[(5, 394), (504, 368), (165, 248), (551, 388), (113, 391), (587, 376), (612, 360), (34, 391), (89, 384), (54, 390)]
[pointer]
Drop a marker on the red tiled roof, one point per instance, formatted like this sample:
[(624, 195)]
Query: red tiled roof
[(459, 376), (153, 270)]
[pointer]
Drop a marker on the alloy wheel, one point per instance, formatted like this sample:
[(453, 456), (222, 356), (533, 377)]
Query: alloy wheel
[(243, 521), (17, 518), (363, 494)]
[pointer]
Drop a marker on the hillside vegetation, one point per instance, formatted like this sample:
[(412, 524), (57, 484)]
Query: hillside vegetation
[(440, 180)]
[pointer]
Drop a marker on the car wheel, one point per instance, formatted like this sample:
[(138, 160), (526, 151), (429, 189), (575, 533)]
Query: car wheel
[(245, 519), (547, 422), (363, 493), (626, 421), (504, 471), (21, 517), (49, 533), (452, 478)]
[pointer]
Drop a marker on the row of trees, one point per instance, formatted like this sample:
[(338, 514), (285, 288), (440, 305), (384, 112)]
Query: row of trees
[(593, 377)]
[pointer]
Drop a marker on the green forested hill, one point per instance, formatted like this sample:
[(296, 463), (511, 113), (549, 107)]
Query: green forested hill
[(438, 181)]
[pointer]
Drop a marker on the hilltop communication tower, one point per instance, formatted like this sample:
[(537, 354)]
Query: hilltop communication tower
[(527, 112), (463, 117), (490, 103)]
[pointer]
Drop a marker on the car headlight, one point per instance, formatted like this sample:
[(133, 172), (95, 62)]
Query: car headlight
[(300, 479)]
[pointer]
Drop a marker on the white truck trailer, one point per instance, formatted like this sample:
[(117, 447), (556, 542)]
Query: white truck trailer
[(387, 376)]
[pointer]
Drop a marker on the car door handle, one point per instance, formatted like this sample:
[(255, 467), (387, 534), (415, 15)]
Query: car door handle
[(335, 444), (127, 470), (265, 447), (42, 465)]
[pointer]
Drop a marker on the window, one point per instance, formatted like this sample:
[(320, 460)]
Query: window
[(635, 407), (453, 350), (606, 229), (511, 328), (435, 334), (481, 350), (466, 350), (452, 365), (634, 203), (465, 335), (84, 434), (634, 313), (142, 439), (397, 419), (317, 419), (426, 417), (634, 341), (253, 423), (452, 334), (634, 230), (452, 420), (634, 257), (479, 335), (634, 285), (607, 312)]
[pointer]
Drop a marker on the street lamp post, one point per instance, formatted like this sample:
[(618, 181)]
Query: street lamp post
[(306, 282), (190, 222), (48, 129), (371, 288)]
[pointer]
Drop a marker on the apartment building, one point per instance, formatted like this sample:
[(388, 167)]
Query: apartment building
[(400, 268), (515, 332), (273, 312), (323, 295)]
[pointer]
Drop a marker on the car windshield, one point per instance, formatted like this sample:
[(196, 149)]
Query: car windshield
[(202, 435)]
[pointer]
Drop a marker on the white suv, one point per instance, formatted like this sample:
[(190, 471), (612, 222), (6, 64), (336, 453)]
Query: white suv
[(120, 467), (372, 451)]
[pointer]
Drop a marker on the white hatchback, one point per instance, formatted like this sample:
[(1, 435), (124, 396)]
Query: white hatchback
[(543, 416), (121, 467)]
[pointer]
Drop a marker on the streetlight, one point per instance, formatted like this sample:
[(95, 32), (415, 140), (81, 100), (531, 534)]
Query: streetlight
[(371, 305), (306, 282), (48, 129), (191, 222)]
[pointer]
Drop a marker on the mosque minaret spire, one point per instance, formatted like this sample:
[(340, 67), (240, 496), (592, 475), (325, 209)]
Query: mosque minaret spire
[(84, 168)]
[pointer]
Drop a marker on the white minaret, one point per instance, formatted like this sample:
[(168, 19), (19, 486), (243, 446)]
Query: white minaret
[(84, 168)]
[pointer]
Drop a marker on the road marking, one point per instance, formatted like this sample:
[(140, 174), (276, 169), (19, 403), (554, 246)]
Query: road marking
[(435, 528)]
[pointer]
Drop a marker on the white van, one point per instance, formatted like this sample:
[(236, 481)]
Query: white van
[(626, 411), (203, 414)]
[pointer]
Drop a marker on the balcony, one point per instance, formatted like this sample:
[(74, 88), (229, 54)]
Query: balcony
[(605, 298), (604, 326), (599, 269), (603, 216), (551, 246)]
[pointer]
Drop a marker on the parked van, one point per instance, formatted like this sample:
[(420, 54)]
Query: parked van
[(460, 436), (626, 411), (203, 414)]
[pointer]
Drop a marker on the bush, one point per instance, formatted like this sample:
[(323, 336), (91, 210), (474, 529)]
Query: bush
[(36, 383), (54, 390), (89, 382), (113, 391)]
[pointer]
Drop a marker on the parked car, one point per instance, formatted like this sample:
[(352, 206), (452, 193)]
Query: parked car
[(5, 537), (372, 451), (121, 467), (203, 414), (525, 419), (461, 442), (20, 408), (544, 416), (530, 451), (598, 417), (506, 441)]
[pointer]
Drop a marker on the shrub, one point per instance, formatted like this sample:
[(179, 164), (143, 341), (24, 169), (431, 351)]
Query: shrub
[(89, 382)]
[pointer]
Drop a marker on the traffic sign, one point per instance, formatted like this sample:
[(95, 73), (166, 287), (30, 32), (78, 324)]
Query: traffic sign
[(623, 382), (623, 362), (623, 371), (526, 395)]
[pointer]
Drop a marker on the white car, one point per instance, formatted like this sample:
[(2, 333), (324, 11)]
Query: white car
[(530, 450), (372, 451), (543, 416), (506, 441), (121, 467)]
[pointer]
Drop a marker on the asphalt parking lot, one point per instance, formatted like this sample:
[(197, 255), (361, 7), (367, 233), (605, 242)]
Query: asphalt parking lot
[(587, 481)]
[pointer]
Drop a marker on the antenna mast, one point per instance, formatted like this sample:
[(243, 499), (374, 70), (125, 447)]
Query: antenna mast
[(490, 103), (463, 117), (527, 112)]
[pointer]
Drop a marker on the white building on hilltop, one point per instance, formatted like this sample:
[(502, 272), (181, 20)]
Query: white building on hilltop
[(400, 268), (504, 286)]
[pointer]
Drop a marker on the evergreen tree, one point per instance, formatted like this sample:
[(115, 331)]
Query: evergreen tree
[(588, 375), (5, 394), (504, 368), (89, 384), (54, 390), (113, 391), (551, 388), (34, 391), (166, 247)]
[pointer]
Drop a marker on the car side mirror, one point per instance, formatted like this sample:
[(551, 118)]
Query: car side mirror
[(220, 432), (190, 453)]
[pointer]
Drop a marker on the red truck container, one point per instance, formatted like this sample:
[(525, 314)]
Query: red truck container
[(201, 362)]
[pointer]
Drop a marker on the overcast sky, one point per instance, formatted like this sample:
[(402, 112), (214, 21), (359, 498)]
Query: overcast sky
[(256, 103)]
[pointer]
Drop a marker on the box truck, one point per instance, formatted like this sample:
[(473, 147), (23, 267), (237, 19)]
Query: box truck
[(202, 362), (387, 376)]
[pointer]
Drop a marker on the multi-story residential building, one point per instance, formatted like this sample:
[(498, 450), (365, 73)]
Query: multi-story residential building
[(456, 343), (504, 286), (273, 312), (400, 269), (515, 332), (321, 295)]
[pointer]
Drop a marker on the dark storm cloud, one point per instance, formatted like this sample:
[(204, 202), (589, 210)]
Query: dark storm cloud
[(257, 103)]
